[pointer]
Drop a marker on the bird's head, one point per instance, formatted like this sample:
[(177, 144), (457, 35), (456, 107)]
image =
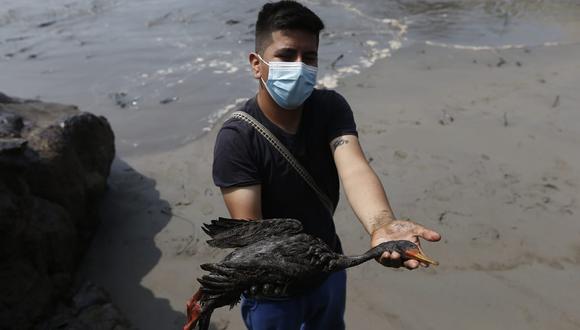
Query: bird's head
[(408, 250)]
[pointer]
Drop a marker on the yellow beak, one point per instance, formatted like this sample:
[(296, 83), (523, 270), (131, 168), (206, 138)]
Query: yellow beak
[(418, 255)]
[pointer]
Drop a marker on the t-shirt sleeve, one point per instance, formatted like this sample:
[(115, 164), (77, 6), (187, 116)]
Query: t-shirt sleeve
[(341, 118), (233, 163)]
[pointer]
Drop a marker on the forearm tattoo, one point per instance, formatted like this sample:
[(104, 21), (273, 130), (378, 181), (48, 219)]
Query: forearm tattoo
[(338, 143)]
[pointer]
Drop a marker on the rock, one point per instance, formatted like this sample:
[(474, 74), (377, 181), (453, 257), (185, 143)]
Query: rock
[(54, 163), (46, 24), (91, 310), (8, 146), (123, 100), (501, 62), (5, 98), (169, 100), (445, 118), (10, 124), (90, 295), (232, 22)]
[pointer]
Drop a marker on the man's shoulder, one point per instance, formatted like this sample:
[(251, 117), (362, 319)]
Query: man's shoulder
[(328, 98), (326, 94), (231, 125)]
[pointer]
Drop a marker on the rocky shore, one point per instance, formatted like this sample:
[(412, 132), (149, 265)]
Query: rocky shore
[(54, 164)]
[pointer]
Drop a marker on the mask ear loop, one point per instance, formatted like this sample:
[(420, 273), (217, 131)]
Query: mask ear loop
[(262, 79), (268, 64), (261, 59)]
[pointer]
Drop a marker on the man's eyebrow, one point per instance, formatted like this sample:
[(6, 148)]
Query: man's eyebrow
[(285, 52)]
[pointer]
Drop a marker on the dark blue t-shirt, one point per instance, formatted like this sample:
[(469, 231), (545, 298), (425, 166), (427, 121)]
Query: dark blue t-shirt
[(242, 157)]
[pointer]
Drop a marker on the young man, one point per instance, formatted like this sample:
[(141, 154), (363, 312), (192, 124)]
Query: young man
[(318, 128)]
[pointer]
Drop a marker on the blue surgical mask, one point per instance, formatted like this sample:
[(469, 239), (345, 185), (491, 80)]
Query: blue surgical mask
[(290, 83)]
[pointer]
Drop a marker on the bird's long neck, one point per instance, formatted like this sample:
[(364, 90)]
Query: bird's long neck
[(350, 261)]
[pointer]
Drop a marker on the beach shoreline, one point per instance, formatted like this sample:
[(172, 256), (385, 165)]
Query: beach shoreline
[(479, 145)]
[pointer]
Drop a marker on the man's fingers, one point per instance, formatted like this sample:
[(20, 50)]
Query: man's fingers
[(431, 235), (411, 264), (394, 260), (385, 256), (425, 233), (391, 263)]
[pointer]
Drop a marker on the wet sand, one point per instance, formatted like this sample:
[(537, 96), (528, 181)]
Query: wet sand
[(479, 145)]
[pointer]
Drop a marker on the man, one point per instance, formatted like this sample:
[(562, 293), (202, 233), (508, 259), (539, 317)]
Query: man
[(318, 128)]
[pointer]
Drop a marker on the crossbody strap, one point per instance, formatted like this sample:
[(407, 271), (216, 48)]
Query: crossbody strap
[(286, 154)]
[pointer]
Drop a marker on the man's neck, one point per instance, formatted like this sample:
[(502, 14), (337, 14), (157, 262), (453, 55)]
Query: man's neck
[(287, 120)]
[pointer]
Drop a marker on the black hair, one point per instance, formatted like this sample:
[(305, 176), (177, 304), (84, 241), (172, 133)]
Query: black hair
[(284, 15)]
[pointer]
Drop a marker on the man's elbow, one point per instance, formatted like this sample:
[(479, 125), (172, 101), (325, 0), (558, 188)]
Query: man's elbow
[(357, 171)]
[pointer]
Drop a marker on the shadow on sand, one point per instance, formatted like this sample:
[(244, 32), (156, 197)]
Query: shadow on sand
[(123, 252)]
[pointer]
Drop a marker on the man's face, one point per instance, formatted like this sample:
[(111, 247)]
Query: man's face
[(287, 46)]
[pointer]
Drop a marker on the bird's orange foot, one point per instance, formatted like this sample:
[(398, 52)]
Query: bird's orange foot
[(193, 310)]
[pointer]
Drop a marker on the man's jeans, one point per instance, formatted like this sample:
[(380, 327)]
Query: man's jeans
[(323, 308)]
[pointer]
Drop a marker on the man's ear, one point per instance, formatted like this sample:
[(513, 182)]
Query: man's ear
[(256, 65)]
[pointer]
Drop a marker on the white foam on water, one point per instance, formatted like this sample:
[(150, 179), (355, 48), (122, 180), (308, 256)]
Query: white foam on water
[(371, 43), (330, 81), (395, 44), (472, 47), (223, 67), (218, 115), (500, 47), (374, 54)]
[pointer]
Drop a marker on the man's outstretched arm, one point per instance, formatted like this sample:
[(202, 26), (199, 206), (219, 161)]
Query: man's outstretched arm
[(368, 200), (243, 202)]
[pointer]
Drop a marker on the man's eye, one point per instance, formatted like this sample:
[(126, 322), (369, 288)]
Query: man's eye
[(287, 58), (311, 60)]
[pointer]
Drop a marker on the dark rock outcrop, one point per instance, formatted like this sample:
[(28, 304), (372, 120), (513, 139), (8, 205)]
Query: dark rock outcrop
[(89, 309), (54, 163)]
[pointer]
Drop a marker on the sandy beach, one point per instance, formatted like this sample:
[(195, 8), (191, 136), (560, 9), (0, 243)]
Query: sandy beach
[(481, 146)]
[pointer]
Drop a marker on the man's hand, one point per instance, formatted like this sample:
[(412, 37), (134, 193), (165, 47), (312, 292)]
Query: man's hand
[(401, 230)]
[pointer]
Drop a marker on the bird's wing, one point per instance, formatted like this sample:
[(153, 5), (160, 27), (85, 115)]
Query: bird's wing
[(232, 233), (225, 284), (283, 264)]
